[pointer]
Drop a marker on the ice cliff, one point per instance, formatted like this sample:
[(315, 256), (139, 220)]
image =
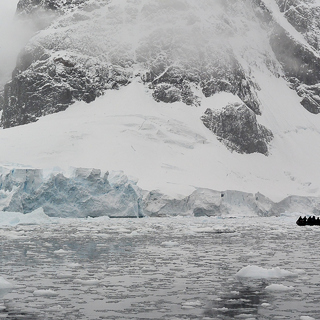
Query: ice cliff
[(88, 192)]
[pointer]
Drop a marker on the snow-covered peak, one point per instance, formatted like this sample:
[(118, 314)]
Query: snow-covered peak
[(182, 94)]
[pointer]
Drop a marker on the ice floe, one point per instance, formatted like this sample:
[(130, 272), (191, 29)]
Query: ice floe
[(262, 273)]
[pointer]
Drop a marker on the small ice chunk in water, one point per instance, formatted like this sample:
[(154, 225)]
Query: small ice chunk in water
[(191, 304), (306, 318), (265, 305), (299, 271), (89, 282), (262, 273), (60, 251), (170, 244), (73, 265), (5, 287), (279, 287), (45, 293), (4, 284)]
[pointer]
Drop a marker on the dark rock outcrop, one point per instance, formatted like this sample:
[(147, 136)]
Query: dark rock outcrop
[(1, 100), (27, 7), (81, 57), (300, 62), (172, 83), (304, 16), (236, 126), (44, 84)]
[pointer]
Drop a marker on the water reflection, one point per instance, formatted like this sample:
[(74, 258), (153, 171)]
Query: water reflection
[(241, 299), (156, 269), (10, 313)]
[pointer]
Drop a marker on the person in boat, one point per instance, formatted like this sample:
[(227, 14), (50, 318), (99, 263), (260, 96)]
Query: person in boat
[(300, 221)]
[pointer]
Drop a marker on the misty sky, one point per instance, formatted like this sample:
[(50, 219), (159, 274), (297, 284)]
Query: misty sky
[(10, 42)]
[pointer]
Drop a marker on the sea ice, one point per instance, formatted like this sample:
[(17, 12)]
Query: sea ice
[(170, 244), (45, 293), (262, 273), (4, 284), (279, 287), (89, 282), (37, 217), (125, 277)]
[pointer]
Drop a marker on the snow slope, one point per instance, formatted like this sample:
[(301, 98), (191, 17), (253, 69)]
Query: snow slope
[(167, 149)]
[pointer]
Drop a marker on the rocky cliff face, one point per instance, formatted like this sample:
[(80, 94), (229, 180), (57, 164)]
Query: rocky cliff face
[(182, 50), (236, 126), (300, 57)]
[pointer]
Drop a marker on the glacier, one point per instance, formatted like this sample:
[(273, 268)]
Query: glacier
[(184, 128), (83, 192)]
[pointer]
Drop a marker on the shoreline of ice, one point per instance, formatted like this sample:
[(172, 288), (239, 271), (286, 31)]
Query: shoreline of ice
[(87, 192)]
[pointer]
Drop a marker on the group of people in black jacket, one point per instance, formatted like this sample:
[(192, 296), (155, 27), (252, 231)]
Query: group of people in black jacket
[(310, 221)]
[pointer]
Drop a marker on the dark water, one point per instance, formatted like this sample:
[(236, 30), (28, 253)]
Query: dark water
[(159, 269)]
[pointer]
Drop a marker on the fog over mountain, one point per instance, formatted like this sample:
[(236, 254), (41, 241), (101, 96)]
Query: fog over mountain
[(180, 94)]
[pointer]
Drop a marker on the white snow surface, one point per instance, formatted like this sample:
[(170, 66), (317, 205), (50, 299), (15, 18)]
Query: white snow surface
[(16, 218), (167, 147)]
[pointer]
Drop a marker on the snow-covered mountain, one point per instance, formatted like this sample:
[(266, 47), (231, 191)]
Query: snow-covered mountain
[(186, 96)]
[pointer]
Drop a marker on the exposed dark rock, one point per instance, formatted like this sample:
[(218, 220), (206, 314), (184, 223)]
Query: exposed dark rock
[(53, 72), (68, 65), (310, 97), (31, 6), (43, 85), (237, 128), (299, 61), (262, 11), (235, 81), (166, 93), (311, 104), (304, 16), (1, 100), (172, 83)]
